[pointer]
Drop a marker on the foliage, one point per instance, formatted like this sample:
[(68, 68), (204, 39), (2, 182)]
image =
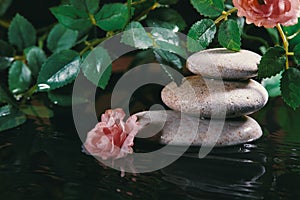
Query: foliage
[(47, 61)]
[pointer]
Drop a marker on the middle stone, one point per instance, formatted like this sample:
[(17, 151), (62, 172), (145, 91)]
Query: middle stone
[(195, 98)]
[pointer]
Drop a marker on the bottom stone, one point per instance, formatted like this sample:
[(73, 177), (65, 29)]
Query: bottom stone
[(175, 128)]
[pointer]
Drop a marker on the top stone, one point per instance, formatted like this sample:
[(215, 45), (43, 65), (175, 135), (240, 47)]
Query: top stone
[(222, 63)]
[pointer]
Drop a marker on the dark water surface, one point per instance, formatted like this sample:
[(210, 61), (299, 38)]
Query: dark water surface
[(43, 160)]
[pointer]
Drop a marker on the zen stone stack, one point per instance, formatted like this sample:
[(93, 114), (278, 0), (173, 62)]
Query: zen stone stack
[(194, 100)]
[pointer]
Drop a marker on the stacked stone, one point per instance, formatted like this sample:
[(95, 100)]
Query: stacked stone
[(241, 96)]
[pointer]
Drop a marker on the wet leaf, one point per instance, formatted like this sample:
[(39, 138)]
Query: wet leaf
[(10, 118), (19, 77), (35, 58)]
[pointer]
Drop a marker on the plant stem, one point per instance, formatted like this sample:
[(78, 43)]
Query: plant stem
[(285, 45), (91, 45), (129, 3), (225, 15), (4, 24)]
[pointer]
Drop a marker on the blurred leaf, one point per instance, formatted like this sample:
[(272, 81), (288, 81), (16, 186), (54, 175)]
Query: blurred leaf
[(209, 8), (290, 87), (63, 96), (273, 35), (290, 30), (166, 18), (272, 62), (4, 5), (7, 53), (89, 6), (169, 58), (167, 2), (10, 118), (21, 33), (297, 53), (5, 62), (97, 67), (35, 58), (112, 17), (136, 36), (167, 40), (37, 111), (60, 69), (201, 34), (19, 77), (229, 35), (72, 18), (3, 95), (272, 85), (61, 38)]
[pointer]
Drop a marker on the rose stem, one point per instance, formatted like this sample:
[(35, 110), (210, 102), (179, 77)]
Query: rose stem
[(285, 45)]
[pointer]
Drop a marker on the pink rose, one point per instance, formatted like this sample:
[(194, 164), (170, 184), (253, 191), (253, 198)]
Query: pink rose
[(268, 13), (112, 137)]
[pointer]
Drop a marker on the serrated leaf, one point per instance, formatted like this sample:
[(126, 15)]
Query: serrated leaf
[(37, 111), (4, 5), (229, 35), (61, 38), (297, 53), (60, 69), (168, 58), (209, 8), (97, 67), (201, 35), (21, 33), (19, 77), (272, 85), (63, 96), (136, 36), (290, 87), (167, 2), (166, 18), (167, 40), (10, 118), (72, 18), (89, 6), (112, 17), (272, 62), (35, 58)]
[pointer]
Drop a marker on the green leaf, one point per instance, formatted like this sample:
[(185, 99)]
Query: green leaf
[(201, 34), (97, 67), (169, 58), (10, 118), (167, 2), (290, 30), (272, 62), (136, 36), (272, 85), (167, 40), (273, 35), (89, 6), (112, 17), (4, 5), (3, 95), (229, 35), (35, 58), (63, 96), (59, 70), (7, 53), (37, 111), (19, 77), (297, 53), (166, 18), (72, 18), (61, 38), (290, 87), (21, 33), (209, 8)]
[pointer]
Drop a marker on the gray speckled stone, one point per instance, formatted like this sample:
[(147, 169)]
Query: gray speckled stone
[(165, 124), (195, 98), (231, 65)]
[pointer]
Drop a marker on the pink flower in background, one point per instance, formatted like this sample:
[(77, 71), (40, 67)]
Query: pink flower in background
[(112, 137), (268, 13)]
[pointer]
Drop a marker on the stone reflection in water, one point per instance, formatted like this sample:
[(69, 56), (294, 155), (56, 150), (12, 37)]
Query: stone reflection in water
[(229, 178)]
